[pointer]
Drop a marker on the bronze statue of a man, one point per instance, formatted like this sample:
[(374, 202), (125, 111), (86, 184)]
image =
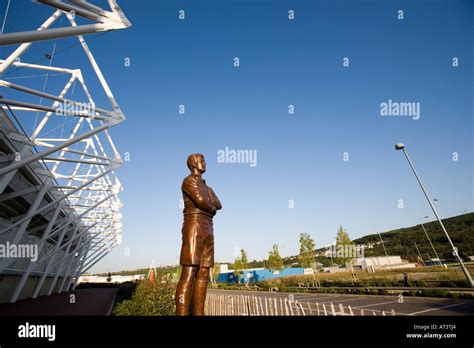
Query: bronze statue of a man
[(197, 251)]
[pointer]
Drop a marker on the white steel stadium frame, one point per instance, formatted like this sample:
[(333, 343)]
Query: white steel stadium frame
[(70, 194)]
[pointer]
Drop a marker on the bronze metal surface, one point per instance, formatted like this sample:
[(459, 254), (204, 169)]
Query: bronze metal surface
[(197, 250)]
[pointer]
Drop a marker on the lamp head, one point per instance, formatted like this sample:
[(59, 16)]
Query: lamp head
[(399, 146)]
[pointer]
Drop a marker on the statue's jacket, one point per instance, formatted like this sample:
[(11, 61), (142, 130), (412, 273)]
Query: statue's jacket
[(200, 206)]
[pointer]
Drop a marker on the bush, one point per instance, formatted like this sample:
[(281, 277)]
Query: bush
[(125, 292), (151, 297)]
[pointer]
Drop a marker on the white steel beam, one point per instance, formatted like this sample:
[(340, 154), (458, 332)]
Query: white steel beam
[(84, 225), (25, 45)]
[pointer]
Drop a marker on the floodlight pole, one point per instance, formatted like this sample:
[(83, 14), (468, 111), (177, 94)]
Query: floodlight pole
[(381, 241), (400, 146), (421, 257), (429, 240)]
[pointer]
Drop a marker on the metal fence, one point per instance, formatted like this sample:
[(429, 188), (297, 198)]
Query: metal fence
[(242, 305)]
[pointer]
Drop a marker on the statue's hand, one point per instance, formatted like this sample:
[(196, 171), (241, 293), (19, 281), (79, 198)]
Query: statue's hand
[(214, 200)]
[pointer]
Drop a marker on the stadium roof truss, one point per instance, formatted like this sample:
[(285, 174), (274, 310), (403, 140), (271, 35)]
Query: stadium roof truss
[(76, 189)]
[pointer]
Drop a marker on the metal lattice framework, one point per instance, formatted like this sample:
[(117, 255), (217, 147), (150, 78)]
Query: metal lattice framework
[(59, 190)]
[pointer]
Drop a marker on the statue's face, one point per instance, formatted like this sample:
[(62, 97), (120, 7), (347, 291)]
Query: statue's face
[(200, 164)]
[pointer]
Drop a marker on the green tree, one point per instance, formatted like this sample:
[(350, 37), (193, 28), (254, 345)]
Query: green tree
[(307, 247), (244, 259), (342, 237), (237, 266), (240, 263), (342, 242), (215, 272), (275, 262), (244, 263), (177, 274)]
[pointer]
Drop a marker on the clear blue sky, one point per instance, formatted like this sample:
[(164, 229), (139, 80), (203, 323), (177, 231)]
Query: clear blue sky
[(300, 156)]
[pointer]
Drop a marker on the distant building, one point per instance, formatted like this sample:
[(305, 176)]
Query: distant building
[(382, 262), (116, 279), (223, 268), (371, 264), (259, 274)]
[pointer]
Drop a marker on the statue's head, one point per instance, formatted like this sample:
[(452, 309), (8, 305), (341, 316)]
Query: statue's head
[(197, 162)]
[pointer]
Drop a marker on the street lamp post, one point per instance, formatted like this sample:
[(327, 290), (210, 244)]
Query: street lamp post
[(381, 241), (400, 146), (421, 257), (429, 240)]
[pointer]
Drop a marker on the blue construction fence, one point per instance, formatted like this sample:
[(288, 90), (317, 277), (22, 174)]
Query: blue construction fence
[(257, 275)]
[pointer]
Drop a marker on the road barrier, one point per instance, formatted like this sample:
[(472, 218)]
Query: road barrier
[(251, 305)]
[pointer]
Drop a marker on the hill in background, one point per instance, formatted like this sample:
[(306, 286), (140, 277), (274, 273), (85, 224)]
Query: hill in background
[(397, 242), (402, 241)]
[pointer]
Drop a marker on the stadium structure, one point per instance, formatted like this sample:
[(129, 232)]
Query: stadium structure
[(59, 203)]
